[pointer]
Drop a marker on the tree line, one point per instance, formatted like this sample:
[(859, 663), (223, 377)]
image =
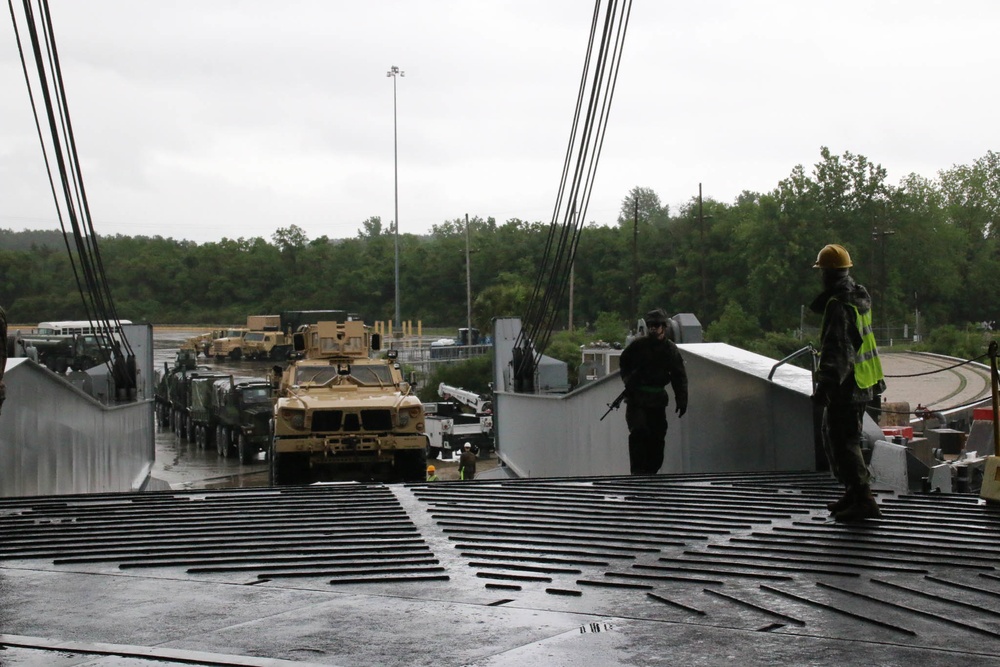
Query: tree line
[(927, 249)]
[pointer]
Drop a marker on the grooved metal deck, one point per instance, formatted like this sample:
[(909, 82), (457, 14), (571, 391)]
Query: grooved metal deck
[(597, 571)]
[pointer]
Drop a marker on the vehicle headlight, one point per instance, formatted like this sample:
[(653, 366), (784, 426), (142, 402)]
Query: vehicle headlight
[(294, 418), (409, 413)]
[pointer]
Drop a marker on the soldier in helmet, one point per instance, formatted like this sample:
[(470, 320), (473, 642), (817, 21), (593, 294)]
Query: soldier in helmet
[(648, 365), (849, 377)]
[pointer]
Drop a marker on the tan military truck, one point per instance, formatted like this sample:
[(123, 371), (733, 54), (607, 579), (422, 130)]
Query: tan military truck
[(272, 345), (202, 343), (341, 413), (229, 345), (265, 339)]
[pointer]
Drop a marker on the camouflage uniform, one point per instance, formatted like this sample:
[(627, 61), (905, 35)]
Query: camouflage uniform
[(836, 387), (647, 366)]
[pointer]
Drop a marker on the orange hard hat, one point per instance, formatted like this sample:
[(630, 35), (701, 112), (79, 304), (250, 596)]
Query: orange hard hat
[(431, 468)]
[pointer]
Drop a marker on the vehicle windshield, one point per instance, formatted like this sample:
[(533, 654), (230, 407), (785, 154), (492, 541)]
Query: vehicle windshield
[(253, 337), (256, 395), (364, 375)]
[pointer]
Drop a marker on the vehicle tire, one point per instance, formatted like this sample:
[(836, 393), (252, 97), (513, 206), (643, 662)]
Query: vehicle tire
[(411, 465), (236, 354), (287, 469), (241, 447)]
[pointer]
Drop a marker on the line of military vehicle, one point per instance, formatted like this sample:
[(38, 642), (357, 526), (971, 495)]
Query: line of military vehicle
[(338, 409)]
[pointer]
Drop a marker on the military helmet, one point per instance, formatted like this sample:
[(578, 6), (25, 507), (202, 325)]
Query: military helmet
[(656, 316), (833, 256)]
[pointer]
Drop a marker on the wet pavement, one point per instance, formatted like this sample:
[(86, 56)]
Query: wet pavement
[(585, 572), (709, 569), (179, 463)]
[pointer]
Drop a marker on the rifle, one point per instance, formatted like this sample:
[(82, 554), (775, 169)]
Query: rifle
[(613, 405)]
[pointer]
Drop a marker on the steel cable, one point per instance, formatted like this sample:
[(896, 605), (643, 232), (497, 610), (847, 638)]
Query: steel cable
[(587, 139), (90, 276)]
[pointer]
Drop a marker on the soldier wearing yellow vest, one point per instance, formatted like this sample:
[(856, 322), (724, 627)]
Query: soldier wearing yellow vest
[(848, 378)]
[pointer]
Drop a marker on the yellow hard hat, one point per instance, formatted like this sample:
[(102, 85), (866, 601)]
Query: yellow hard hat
[(431, 468), (833, 256)]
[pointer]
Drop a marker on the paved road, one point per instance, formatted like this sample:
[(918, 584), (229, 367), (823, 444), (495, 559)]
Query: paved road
[(933, 381)]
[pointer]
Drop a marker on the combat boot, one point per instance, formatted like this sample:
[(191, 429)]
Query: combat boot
[(840, 505), (863, 506)]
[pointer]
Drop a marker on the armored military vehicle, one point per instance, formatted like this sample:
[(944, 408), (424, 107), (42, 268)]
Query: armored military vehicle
[(341, 413), (243, 408)]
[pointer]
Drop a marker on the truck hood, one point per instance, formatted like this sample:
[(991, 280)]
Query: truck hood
[(359, 397), (261, 409)]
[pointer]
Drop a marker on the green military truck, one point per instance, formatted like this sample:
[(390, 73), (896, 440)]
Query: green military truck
[(200, 409), (243, 408), (341, 413), (166, 381)]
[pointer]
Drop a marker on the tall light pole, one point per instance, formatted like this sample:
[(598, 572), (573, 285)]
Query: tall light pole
[(468, 281), (394, 72)]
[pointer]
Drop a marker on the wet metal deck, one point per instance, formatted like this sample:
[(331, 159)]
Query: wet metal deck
[(665, 570)]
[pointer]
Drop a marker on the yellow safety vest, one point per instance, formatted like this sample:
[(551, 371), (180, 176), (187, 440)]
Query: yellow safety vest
[(867, 365)]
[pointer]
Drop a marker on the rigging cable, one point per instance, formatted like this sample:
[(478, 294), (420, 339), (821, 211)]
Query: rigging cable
[(90, 276), (572, 200)]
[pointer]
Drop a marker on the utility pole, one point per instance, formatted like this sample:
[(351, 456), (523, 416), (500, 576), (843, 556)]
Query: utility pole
[(396, 72), (701, 225), (572, 278), (468, 283), (635, 260), (879, 239)]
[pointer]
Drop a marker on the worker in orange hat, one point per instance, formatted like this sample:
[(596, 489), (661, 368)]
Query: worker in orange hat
[(849, 377), (432, 474)]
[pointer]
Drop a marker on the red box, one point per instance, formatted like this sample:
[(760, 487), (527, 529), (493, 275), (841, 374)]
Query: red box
[(984, 414), (905, 431)]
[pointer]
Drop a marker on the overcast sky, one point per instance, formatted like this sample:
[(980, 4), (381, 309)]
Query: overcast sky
[(207, 119)]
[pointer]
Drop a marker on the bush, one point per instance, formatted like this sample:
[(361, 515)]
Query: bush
[(969, 342), (473, 374)]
